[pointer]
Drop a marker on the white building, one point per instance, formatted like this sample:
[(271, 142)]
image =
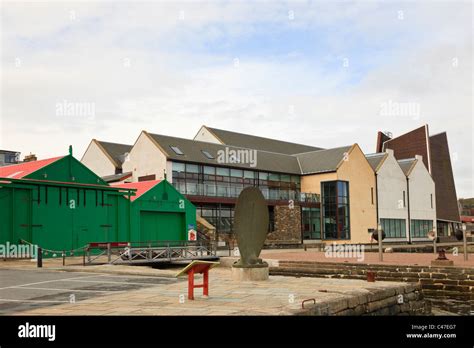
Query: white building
[(106, 159), (421, 198), (391, 196)]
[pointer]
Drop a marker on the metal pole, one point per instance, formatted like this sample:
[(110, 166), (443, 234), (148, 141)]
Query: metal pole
[(464, 242), (39, 258), (379, 235), (64, 258), (109, 255)]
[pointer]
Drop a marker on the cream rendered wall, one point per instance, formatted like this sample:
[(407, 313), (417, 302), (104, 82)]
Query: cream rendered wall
[(312, 183), (205, 135), (391, 183), (96, 160), (421, 186), (145, 158), (361, 179)]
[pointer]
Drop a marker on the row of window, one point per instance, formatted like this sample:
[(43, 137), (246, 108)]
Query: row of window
[(396, 228)]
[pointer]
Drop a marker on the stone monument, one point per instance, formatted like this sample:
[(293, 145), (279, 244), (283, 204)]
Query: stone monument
[(250, 227)]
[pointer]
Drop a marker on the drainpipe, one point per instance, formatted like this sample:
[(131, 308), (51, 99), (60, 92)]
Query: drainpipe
[(408, 210)]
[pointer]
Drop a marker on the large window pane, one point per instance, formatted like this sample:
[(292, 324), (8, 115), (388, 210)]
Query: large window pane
[(192, 168), (209, 170), (222, 171), (178, 167), (236, 173)]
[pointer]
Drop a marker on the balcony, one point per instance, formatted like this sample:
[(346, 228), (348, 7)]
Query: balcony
[(209, 190)]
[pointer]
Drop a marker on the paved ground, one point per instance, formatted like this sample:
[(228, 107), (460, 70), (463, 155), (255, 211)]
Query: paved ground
[(421, 259), (33, 292), (23, 290)]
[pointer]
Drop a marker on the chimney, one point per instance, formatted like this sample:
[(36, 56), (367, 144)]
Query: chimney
[(30, 158)]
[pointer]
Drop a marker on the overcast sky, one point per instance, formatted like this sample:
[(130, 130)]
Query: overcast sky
[(321, 73)]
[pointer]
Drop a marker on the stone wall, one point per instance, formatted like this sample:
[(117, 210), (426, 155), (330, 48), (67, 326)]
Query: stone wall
[(287, 226), (437, 283), (401, 300)]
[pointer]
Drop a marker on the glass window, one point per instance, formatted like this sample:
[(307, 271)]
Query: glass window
[(177, 150), (262, 176), (285, 177), (335, 205), (296, 179), (209, 170), (274, 177), (178, 167), (248, 174), (236, 173), (192, 168), (222, 171)]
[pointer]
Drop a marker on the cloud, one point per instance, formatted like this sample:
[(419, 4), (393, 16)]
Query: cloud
[(170, 67)]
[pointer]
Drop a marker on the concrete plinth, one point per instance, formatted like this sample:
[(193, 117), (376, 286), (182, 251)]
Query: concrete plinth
[(442, 263), (241, 274)]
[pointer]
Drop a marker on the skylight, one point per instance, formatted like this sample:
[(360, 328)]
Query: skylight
[(207, 154), (177, 150)]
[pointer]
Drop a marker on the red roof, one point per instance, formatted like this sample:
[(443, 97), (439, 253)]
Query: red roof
[(141, 187), (18, 171)]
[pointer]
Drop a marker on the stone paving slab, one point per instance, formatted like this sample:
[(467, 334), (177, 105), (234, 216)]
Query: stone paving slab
[(277, 296)]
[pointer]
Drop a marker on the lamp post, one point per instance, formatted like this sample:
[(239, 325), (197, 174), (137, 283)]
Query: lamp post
[(464, 241), (379, 235)]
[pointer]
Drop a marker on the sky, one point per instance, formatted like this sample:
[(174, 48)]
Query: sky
[(323, 73)]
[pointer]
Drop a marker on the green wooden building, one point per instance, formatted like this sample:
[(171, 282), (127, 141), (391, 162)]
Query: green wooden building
[(59, 204)]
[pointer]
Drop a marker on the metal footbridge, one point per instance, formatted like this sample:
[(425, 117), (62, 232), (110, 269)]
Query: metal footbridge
[(149, 252)]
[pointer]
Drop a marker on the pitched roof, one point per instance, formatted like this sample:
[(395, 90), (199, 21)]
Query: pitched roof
[(193, 152), (407, 165), (142, 187), (375, 159), (115, 151), (259, 143), (322, 160), (116, 177), (18, 171)]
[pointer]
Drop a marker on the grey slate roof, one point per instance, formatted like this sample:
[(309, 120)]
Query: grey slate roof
[(407, 164), (375, 159), (116, 177), (192, 149), (322, 160), (116, 151), (260, 143)]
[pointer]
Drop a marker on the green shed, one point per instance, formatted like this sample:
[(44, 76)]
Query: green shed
[(159, 212), (60, 204)]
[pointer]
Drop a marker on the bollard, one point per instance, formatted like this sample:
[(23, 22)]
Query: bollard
[(39, 258), (64, 258), (379, 237), (370, 276)]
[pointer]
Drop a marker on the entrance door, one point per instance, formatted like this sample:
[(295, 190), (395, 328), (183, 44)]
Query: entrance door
[(161, 226)]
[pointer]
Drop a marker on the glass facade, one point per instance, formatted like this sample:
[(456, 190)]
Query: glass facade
[(204, 180), (335, 208), (311, 223), (420, 228), (394, 228), (221, 216)]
